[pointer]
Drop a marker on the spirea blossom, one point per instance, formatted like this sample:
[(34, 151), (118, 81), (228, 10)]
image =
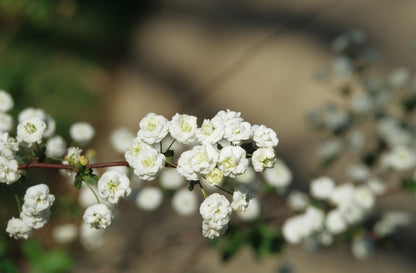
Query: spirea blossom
[(183, 128), (263, 158), (200, 160), (153, 128), (148, 163), (401, 158), (121, 139), (322, 187), (279, 176), (55, 147), (211, 131), (9, 172), (6, 101), (81, 132), (185, 202), (236, 131), (98, 216), (37, 198), (8, 146), (149, 198), (31, 130), (34, 219), (170, 179), (17, 229), (252, 211), (113, 185), (64, 233), (136, 146), (216, 212), (264, 137), (232, 161), (6, 122), (241, 197)]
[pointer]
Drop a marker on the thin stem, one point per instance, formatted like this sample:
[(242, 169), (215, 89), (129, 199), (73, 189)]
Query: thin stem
[(71, 167), (223, 189), (93, 192), (204, 193), (160, 146), (19, 206), (170, 164), (170, 145)]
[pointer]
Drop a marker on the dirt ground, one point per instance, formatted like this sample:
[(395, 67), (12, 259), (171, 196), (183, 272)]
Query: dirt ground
[(259, 58)]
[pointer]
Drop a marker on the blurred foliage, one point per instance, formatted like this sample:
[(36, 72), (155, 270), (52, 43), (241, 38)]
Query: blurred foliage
[(52, 52), (263, 240)]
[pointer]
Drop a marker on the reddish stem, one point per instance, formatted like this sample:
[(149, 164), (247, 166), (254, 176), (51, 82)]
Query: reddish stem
[(71, 167)]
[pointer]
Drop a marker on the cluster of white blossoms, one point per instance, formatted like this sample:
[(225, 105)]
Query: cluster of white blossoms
[(213, 151), (216, 213), (35, 212)]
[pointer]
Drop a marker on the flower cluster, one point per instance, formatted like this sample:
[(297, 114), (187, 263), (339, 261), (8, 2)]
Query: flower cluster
[(35, 212)]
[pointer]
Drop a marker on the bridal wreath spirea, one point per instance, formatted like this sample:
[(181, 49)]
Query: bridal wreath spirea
[(223, 146)]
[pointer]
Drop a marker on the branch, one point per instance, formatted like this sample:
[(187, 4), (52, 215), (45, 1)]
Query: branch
[(71, 167)]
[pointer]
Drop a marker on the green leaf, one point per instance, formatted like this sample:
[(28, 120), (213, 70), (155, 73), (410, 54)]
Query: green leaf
[(55, 261), (8, 266), (91, 179), (169, 154), (78, 181), (409, 185)]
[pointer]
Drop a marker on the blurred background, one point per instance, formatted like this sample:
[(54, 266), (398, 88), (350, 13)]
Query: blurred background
[(111, 62)]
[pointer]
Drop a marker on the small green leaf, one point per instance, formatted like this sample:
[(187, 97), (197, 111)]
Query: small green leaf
[(91, 179), (409, 185), (78, 181), (191, 185), (169, 154)]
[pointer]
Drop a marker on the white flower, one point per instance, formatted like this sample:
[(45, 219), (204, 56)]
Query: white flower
[(241, 197), (185, 202), (50, 126), (98, 216), (215, 177), (73, 154), (9, 172), (329, 149), (263, 158), (364, 197), (6, 122), (314, 219), (81, 132), (236, 131), (121, 139), (170, 179), (204, 158), (228, 116), (278, 176), (249, 176), (31, 112), (113, 185), (343, 195), (31, 130), (136, 146), (252, 211), (232, 161), (148, 163), (211, 131), (322, 188), (55, 147), (183, 128), (376, 186), (149, 198), (391, 220), (37, 198), (334, 222), (361, 248), (35, 220), (91, 238), (64, 233), (298, 200), (293, 229), (6, 101), (184, 167), (17, 229), (216, 210), (212, 232), (264, 137), (153, 128), (8, 146), (401, 158)]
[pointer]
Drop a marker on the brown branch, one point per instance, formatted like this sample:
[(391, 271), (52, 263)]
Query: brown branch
[(71, 167)]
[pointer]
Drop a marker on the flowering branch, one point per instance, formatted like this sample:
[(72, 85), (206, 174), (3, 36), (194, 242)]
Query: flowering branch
[(71, 167)]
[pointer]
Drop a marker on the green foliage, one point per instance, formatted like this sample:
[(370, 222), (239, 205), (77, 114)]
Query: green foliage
[(46, 261), (409, 185), (262, 239)]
